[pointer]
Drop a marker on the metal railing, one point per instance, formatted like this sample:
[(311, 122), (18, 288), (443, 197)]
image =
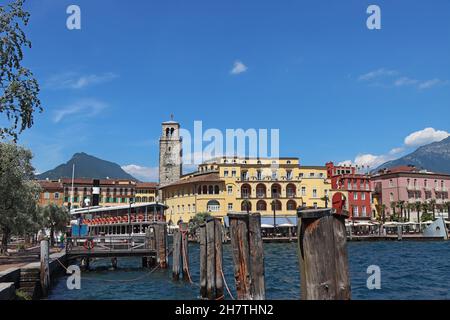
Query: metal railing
[(108, 244)]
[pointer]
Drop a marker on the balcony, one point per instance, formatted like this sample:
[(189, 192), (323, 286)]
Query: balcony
[(291, 194)]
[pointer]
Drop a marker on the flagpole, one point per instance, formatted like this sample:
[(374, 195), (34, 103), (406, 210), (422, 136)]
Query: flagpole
[(73, 176)]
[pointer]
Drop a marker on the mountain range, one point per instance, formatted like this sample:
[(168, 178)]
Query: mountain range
[(433, 157), (86, 166)]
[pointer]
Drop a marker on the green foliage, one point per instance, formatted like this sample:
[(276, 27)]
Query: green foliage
[(198, 219), (54, 218), (20, 295), (426, 217), (18, 193), (18, 88)]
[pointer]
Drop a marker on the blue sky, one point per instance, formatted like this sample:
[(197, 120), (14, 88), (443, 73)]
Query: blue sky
[(335, 89)]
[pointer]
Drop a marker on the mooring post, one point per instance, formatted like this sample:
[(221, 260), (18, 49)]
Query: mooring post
[(45, 268), (176, 255), (184, 229), (203, 273), (114, 263), (161, 244), (211, 283), (245, 234), (399, 231), (150, 261), (210, 260), (256, 257), (322, 253), (218, 238)]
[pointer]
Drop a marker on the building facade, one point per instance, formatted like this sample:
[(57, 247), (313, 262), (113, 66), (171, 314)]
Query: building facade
[(233, 184), (112, 192), (409, 185), (356, 187), (52, 192)]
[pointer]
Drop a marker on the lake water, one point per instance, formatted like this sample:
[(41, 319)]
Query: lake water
[(409, 270)]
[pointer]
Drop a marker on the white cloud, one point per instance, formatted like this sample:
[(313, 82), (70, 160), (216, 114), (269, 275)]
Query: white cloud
[(82, 108), (345, 163), (150, 174), (425, 136), (405, 81), (72, 80), (238, 67), (415, 139), (396, 150), (386, 78), (377, 74), (431, 83)]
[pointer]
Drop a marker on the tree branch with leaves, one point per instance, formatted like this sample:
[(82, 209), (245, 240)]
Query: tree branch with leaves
[(18, 88)]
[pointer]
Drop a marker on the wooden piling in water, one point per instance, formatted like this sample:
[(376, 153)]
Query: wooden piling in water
[(218, 241), (323, 257), (45, 268), (211, 284), (248, 255), (203, 263), (150, 240), (176, 255), (184, 229), (161, 244)]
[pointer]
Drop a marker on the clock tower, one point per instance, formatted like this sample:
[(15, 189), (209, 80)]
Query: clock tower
[(170, 153)]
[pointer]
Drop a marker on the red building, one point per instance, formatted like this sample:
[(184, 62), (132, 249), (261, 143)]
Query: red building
[(356, 185)]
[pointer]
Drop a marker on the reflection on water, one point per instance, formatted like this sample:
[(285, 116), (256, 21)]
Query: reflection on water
[(409, 270)]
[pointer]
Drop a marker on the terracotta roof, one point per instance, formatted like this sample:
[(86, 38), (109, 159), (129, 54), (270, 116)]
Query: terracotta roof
[(146, 185), (50, 185), (207, 177)]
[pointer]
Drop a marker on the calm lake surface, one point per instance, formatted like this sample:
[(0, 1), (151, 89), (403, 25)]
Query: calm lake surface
[(409, 270)]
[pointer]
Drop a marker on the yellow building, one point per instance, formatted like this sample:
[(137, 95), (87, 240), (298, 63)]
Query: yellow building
[(234, 184), (145, 192)]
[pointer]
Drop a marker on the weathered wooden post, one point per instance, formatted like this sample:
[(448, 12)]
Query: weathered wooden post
[(211, 283), (161, 244), (176, 255), (184, 229), (203, 263), (399, 231), (45, 268), (248, 255), (218, 242), (323, 257)]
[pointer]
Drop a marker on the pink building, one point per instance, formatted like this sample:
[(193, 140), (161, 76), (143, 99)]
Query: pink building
[(411, 185)]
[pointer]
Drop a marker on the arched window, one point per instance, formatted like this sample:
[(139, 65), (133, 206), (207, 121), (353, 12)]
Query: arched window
[(205, 189), (291, 190), (216, 190), (276, 190), (211, 190), (167, 132), (246, 191), (291, 205), (261, 190), (276, 204), (213, 206), (261, 205), (246, 205), (172, 130), (199, 191)]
